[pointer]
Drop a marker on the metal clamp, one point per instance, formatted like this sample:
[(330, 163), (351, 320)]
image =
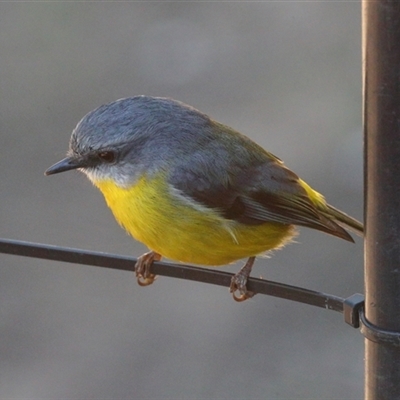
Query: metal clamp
[(351, 309), (354, 315), (378, 335)]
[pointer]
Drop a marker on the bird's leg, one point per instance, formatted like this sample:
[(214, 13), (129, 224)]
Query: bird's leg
[(142, 268), (238, 282)]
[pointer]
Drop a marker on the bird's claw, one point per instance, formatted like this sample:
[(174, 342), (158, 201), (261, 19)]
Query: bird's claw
[(239, 281), (142, 268), (238, 285), (146, 281)]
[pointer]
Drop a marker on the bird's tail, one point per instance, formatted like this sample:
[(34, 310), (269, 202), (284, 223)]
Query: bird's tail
[(344, 220), (335, 221)]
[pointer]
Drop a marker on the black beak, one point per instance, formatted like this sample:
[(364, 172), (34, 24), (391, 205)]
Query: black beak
[(66, 164)]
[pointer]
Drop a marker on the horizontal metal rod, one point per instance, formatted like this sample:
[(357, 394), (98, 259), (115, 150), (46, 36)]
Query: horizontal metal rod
[(215, 277)]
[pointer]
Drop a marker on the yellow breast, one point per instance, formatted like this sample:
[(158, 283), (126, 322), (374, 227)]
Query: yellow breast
[(182, 230)]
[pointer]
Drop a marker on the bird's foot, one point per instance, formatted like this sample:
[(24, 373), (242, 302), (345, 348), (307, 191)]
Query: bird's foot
[(142, 268), (238, 282)]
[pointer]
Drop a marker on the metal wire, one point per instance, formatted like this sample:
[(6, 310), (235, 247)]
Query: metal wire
[(212, 276)]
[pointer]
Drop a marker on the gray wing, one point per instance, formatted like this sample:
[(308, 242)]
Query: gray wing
[(250, 190)]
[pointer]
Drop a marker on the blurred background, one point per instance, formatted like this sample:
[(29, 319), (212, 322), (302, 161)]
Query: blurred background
[(288, 75)]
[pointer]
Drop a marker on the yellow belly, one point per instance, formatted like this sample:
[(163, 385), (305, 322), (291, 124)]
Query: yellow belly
[(184, 232)]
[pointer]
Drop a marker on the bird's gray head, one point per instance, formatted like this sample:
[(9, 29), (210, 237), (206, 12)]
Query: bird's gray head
[(123, 139)]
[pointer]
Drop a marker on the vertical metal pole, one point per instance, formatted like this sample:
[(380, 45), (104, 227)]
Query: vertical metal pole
[(381, 86)]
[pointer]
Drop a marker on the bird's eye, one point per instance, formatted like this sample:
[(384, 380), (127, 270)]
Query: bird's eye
[(107, 156)]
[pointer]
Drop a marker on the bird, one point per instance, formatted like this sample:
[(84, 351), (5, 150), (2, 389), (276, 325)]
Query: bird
[(192, 189)]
